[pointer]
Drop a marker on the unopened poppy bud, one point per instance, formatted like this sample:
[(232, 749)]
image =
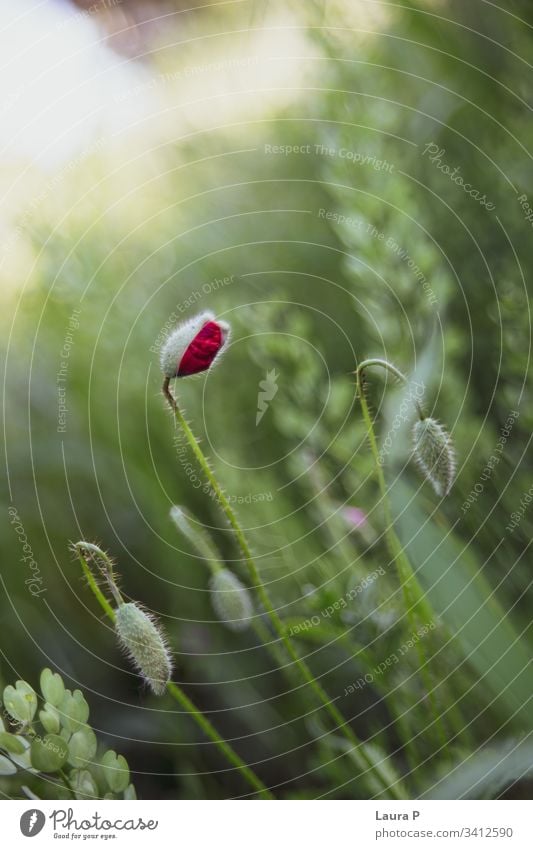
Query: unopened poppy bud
[(194, 346), (140, 637), (434, 454), (231, 600)]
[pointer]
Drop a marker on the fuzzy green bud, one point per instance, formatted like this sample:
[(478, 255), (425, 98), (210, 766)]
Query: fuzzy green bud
[(231, 600), (140, 637), (433, 451)]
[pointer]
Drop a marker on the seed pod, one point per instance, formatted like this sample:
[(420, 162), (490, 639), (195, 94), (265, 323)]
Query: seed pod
[(83, 784), (73, 710), (82, 748), (20, 701), (194, 346), (116, 771), (434, 453), (50, 719), (140, 637), (49, 753), (52, 687), (231, 600)]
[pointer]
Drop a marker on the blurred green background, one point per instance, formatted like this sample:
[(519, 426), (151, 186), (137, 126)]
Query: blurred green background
[(273, 164)]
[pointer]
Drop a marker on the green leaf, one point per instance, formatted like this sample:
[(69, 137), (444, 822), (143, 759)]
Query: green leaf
[(484, 774), (49, 754), (116, 771), (11, 743), (461, 595), (74, 710), (82, 747), (52, 687), (129, 792), (20, 701)]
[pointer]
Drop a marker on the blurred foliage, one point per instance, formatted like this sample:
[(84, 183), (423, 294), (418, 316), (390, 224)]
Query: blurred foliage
[(317, 260)]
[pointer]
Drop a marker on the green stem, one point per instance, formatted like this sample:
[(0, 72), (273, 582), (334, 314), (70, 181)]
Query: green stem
[(418, 610), (413, 592), (173, 689), (204, 546), (66, 782), (364, 760), (211, 732)]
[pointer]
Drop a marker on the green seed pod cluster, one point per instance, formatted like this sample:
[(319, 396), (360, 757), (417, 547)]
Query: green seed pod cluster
[(231, 600), (142, 640), (434, 454), (57, 738)]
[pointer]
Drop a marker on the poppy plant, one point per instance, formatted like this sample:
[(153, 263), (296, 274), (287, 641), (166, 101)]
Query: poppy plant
[(193, 347)]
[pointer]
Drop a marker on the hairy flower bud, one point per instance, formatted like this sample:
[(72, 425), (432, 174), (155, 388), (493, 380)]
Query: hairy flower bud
[(231, 600), (140, 637), (434, 454), (194, 346)]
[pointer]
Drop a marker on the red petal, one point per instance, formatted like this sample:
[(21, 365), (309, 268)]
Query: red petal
[(202, 350)]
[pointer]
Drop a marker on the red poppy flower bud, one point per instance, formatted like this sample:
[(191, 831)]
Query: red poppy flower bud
[(194, 346)]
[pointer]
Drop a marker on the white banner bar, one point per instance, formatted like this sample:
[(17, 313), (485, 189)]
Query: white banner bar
[(264, 825)]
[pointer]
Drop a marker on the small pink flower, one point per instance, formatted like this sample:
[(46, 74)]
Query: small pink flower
[(355, 517), (194, 346)]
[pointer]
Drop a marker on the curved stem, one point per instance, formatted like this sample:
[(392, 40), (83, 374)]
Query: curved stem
[(64, 779), (384, 364), (364, 760), (175, 691), (417, 607), (104, 564), (96, 591)]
